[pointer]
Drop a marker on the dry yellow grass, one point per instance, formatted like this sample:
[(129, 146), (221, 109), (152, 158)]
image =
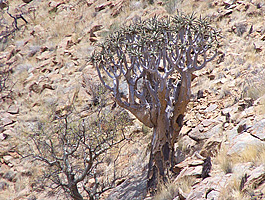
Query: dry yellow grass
[(224, 161), (252, 153), (232, 190), (166, 191), (239, 55), (185, 184)]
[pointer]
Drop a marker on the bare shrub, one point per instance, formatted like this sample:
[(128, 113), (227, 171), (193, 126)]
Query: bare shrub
[(74, 150), (6, 84), (9, 22)]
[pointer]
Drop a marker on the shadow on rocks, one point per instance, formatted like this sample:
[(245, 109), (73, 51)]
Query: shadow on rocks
[(132, 188)]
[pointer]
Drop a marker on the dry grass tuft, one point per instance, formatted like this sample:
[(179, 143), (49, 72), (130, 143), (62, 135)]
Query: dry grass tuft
[(253, 153), (252, 89), (185, 183), (232, 191), (166, 191), (224, 161)]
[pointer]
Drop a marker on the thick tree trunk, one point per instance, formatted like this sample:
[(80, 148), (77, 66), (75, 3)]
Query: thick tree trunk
[(72, 186), (75, 193), (162, 154), (165, 135)]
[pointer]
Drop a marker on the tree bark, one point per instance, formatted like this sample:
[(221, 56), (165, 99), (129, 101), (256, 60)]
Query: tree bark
[(162, 153), (72, 186), (75, 193), (165, 135)]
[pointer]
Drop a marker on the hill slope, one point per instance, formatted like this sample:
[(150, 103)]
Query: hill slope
[(225, 118)]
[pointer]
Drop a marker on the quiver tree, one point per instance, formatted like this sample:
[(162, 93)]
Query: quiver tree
[(155, 60)]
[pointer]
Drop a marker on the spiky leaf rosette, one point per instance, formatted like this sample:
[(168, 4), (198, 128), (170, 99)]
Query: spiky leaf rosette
[(148, 53)]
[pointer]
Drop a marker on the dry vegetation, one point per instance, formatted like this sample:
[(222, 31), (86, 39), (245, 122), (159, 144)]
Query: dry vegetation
[(52, 50), (166, 191), (224, 161), (232, 190)]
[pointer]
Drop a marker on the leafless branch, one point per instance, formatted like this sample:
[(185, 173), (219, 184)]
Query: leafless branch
[(73, 149)]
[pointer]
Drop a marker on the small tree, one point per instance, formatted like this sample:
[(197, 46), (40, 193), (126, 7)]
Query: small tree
[(73, 148), (155, 59)]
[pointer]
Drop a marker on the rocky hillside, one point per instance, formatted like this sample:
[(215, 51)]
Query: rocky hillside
[(45, 46)]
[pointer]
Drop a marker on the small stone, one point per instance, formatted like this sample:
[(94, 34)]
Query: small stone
[(55, 4), (7, 158), (241, 128), (26, 1), (185, 130), (212, 194), (3, 4), (226, 125), (225, 14), (258, 47), (258, 130), (44, 56), (103, 6), (196, 162), (226, 114), (245, 103), (200, 94), (228, 2), (94, 29), (206, 167), (3, 185), (44, 63), (3, 136), (10, 176), (33, 197), (44, 48), (207, 122), (47, 86), (13, 109), (211, 108), (35, 88), (190, 171), (7, 121), (249, 101), (211, 147), (211, 76), (93, 39), (89, 3)]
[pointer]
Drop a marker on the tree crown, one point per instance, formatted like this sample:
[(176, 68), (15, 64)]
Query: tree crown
[(150, 37), (147, 55)]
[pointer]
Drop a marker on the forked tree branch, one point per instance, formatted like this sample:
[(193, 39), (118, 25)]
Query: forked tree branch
[(146, 56)]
